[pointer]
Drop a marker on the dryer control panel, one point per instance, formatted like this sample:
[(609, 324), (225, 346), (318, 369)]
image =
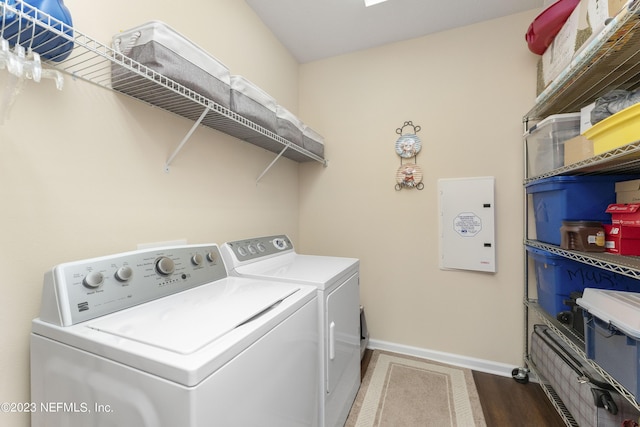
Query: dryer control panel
[(259, 247), (77, 291)]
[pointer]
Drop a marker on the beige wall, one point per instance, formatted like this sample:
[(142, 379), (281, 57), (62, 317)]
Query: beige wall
[(468, 89), (82, 170)]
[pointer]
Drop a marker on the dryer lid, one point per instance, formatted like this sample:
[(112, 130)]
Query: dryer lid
[(188, 321), (317, 270)]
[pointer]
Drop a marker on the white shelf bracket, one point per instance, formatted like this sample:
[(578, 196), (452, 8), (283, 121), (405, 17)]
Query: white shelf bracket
[(185, 139), (273, 162)]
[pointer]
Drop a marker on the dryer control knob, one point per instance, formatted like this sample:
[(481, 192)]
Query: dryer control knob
[(212, 257), (123, 274), (165, 266), (93, 280), (196, 260)]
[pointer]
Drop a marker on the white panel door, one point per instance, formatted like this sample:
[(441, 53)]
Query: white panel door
[(467, 231)]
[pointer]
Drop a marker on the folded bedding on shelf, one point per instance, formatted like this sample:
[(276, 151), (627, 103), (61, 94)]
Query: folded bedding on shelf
[(288, 125), (164, 50), (312, 141), (171, 55), (253, 103)]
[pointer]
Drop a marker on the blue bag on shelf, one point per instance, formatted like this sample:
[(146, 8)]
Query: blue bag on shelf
[(49, 44)]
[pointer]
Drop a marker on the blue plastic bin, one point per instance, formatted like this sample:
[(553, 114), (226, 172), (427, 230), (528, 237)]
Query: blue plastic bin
[(615, 352), (557, 277), (612, 334), (572, 198)]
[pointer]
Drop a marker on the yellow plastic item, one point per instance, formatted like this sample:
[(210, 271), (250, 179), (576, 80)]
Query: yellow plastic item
[(615, 131)]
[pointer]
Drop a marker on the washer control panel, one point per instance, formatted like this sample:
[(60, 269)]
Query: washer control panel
[(77, 291), (259, 247)]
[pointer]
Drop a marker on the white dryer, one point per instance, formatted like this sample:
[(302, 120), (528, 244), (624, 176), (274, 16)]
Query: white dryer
[(165, 338), (337, 281)]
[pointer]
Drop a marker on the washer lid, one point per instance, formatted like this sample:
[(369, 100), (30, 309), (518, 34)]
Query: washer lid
[(186, 322)]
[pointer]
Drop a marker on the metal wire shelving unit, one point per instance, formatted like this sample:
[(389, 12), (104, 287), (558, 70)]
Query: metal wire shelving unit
[(576, 344), (610, 61), (625, 265), (101, 65), (553, 396)]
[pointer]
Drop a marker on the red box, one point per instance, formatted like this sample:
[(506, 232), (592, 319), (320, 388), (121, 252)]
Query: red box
[(622, 239), (625, 214)]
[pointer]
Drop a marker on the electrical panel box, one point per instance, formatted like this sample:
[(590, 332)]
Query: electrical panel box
[(467, 217)]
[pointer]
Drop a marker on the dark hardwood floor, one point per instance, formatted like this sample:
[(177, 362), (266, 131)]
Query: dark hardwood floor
[(506, 402)]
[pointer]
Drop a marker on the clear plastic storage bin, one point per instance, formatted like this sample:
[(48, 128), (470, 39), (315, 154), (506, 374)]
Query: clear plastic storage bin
[(545, 142)]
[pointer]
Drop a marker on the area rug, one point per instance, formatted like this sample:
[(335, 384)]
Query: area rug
[(407, 391)]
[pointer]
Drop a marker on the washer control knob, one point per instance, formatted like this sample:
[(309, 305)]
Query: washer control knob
[(252, 249), (261, 247), (165, 266), (242, 251), (280, 243), (197, 260), (212, 257), (123, 274), (93, 280)]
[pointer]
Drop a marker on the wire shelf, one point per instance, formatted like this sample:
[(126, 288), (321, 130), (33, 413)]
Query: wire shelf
[(553, 397), (101, 65), (611, 61), (625, 265), (621, 160), (577, 345)]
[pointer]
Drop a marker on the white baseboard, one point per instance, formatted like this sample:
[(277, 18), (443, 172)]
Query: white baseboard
[(480, 365)]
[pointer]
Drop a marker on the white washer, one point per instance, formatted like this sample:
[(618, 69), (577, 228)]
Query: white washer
[(337, 281), (164, 338)]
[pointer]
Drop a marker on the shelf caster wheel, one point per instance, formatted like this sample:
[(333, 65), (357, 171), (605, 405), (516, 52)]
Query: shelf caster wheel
[(603, 399), (521, 375), (609, 404)]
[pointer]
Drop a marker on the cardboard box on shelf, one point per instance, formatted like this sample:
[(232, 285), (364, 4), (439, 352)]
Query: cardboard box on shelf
[(628, 191), (587, 21), (577, 149)]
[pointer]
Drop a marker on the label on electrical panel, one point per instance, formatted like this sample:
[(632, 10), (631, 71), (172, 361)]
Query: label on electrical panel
[(467, 224)]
